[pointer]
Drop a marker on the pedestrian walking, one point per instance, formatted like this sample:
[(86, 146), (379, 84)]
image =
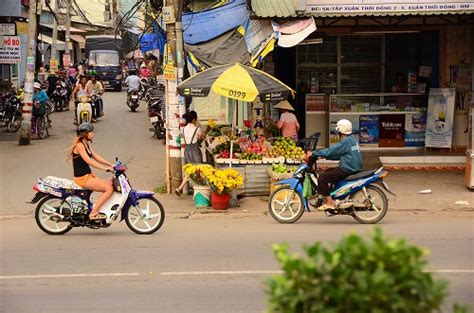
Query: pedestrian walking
[(192, 136)]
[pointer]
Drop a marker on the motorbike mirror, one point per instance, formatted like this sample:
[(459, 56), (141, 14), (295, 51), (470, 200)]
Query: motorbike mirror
[(116, 159)]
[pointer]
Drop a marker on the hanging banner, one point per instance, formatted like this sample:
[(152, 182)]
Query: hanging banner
[(66, 60), (439, 121), (53, 64)]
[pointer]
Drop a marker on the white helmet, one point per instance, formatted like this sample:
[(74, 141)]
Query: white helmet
[(37, 85), (344, 127)]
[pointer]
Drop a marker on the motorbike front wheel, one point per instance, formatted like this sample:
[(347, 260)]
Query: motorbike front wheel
[(147, 217), (14, 124), (376, 205), (47, 221), (286, 205)]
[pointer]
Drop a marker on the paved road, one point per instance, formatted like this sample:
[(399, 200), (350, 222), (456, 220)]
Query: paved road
[(205, 264), (119, 133)]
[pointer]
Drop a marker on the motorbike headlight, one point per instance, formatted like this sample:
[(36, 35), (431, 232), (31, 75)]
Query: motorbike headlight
[(118, 77)]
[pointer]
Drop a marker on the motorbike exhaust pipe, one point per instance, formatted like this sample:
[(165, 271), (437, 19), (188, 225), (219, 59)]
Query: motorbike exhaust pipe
[(50, 211)]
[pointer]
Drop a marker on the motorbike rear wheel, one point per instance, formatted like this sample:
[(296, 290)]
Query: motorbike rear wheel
[(285, 200), (378, 201), (49, 223), (147, 217), (41, 127)]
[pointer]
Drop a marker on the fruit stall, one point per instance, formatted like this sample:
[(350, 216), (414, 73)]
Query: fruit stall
[(257, 158)]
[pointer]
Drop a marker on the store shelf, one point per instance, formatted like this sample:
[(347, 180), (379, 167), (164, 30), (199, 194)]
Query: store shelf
[(374, 113), (316, 112)]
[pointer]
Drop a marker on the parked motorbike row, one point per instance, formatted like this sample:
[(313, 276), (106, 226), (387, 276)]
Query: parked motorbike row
[(10, 110), (153, 93)]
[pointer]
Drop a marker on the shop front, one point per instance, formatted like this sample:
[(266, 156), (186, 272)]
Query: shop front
[(380, 65)]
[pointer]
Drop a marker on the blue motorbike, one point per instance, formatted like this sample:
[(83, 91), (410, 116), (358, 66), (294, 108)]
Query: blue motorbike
[(361, 195)]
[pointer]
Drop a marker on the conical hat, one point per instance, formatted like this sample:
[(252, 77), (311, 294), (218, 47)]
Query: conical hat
[(284, 105)]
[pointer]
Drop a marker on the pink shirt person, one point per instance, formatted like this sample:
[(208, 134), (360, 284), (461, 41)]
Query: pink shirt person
[(288, 124)]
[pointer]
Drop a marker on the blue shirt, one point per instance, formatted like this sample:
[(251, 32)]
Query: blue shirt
[(347, 151), (41, 96)]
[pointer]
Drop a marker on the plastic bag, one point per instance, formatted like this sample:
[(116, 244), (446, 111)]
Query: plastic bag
[(307, 192)]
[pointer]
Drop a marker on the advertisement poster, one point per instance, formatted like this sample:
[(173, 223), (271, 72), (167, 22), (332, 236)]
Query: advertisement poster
[(415, 128), (369, 129), (10, 50), (439, 121), (392, 130), (333, 136)]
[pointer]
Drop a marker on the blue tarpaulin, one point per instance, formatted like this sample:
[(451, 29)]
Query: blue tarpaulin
[(153, 41), (209, 24)]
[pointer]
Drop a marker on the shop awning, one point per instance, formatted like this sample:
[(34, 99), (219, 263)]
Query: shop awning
[(336, 8), (49, 40), (274, 8), (340, 8), (79, 39)]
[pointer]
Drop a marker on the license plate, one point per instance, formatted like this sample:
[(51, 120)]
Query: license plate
[(134, 97), (106, 83), (154, 119)]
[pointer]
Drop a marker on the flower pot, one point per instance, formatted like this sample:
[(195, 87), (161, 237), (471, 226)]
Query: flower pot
[(220, 201), (202, 196)]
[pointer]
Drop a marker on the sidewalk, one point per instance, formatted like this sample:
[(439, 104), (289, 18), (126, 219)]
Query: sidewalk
[(447, 188)]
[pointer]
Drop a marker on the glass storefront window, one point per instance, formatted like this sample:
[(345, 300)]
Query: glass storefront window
[(360, 79), (361, 49)]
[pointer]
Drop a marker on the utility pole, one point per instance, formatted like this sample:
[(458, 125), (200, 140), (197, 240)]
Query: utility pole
[(68, 29), (54, 45), (175, 104), (25, 131)]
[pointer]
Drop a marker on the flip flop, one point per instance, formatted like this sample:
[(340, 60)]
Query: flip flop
[(99, 216), (178, 192), (325, 207)]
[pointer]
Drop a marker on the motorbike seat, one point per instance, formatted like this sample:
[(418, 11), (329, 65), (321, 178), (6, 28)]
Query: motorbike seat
[(360, 175), (63, 183)]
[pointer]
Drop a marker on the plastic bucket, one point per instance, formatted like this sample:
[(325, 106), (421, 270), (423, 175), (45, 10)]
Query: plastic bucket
[(220, 201), (202, 196)]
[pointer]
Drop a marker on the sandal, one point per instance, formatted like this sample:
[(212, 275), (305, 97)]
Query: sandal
[(98, 216), (178, 192)]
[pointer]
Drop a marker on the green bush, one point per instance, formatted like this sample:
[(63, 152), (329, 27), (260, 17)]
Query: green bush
[(356, 275)]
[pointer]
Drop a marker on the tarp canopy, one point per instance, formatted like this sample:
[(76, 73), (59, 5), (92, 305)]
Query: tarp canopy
[(228, 48), (153, 41), (209, 24)]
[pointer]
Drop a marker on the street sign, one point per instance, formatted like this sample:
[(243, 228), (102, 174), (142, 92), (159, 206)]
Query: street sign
[(7, 29), (168, 15), (169, 72), (10, 50)]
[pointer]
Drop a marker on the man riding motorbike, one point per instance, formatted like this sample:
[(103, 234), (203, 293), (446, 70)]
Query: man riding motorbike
[(96, 88), (133, 83), (347, 151)]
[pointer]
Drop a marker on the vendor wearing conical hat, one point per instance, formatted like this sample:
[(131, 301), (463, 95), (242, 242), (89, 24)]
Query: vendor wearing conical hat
[(288, 124)]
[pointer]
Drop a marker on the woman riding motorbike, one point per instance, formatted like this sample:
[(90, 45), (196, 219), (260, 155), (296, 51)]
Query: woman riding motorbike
[(81, 90), (83, 157)]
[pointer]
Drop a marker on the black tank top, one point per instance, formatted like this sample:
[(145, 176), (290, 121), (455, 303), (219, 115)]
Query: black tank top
[(81, 168)]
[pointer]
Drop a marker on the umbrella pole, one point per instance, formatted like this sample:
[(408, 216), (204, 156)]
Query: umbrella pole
[(234, 123)]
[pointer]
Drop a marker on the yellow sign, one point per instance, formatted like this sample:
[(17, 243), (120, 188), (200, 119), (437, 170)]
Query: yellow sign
[(169, 72), (53, 63)]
